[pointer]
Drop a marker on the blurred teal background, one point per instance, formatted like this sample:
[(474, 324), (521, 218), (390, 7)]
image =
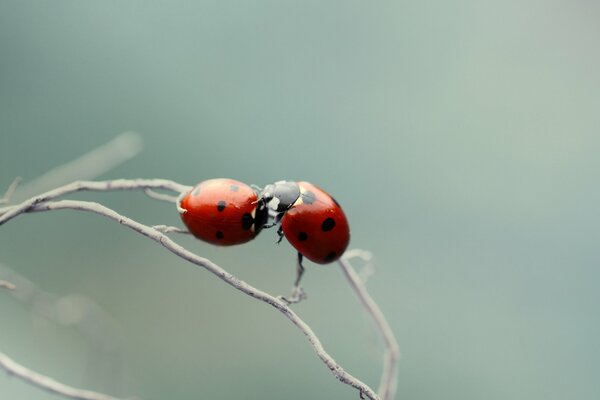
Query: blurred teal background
[(462, 139)]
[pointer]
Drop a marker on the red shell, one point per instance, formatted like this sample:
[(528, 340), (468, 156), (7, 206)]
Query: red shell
[(316, 225), (221, 211)]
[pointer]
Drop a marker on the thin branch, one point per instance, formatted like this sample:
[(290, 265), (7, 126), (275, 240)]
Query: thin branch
[(369, 269), (46, 383), (7, 213), (171, 229), (39, 203), (387, 387)]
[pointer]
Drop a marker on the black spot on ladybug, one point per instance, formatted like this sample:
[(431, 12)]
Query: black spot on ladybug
[(234, 188), (330, 257), (221, 205), (196, 191), (247, 221), (219, 235), (308, 197), (302, 236), (328, 224)]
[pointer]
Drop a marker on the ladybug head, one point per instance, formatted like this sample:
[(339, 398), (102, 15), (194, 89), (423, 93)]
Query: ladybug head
[(280, 196)]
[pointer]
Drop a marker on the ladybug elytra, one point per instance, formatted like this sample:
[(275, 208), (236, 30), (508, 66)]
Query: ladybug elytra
[(310, 219), (223, 212)]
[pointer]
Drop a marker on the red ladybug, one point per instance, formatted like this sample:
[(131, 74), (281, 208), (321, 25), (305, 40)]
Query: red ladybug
[(224, 212), (311, 220)]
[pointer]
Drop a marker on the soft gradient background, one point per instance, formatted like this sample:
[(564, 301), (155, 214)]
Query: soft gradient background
[(462, 139)]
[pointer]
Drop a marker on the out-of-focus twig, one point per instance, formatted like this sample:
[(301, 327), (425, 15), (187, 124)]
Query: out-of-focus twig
[(389, 378), (10, 191), (99, 329), (7, 285), (89, 166)]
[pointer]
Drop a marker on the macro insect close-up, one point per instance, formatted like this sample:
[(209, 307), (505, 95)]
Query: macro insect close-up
[(299, 200), (228, 212)]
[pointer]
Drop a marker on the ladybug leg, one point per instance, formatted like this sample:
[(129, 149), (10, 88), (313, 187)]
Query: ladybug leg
[(276, 220), (281, 235), (297, 293), (299, 270)]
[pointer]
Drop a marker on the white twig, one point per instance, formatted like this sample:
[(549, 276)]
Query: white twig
[(89, 166), (46, 383), (387, 387), (40, 203), (7, 213), (368, 269), (171, 229)]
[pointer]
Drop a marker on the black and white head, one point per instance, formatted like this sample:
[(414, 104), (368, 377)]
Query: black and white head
[(280, 196)]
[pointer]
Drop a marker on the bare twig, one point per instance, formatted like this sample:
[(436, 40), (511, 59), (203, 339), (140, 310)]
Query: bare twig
[(368, 269), (7, 213), (387, 387), (46, 383), (89, 166), (40, 203), (171, 229)]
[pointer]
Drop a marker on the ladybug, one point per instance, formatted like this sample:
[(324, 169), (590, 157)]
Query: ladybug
[(223, 212), (310, 219)]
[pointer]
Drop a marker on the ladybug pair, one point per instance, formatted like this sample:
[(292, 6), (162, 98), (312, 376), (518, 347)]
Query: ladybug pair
[(228, 212)]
